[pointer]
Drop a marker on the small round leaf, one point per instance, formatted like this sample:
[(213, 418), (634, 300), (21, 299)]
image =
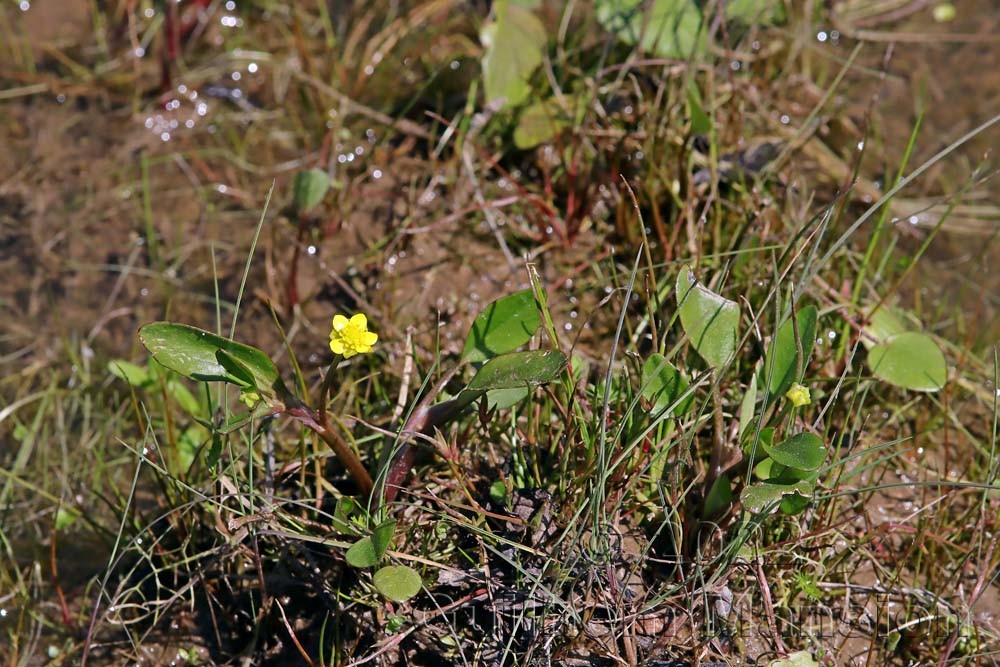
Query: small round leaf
[(397, 582)]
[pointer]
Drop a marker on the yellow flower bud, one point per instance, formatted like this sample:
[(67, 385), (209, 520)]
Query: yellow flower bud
[(798, 395)]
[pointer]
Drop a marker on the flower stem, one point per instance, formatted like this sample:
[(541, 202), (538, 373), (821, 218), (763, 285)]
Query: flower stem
[(319, 422)]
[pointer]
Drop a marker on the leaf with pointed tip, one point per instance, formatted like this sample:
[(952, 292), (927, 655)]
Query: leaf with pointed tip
[(309, 189), (137, 376), (663, 385), (519, 369), (747, 405), (710, 321), (513, 44), (780, 370), (193, 353), (503, 326), (804, 451), (368, 551), (757, 498)]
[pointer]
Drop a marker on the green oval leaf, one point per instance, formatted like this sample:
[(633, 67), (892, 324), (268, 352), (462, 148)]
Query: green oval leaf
[(309, 188), (797, 659), (501, 399), (513, 41), (503, 326), (804, 451), (748, 405), (539, 123), (368, 551), (662, 385), (362, 553), (909, 360), (719, 498), (757, 498), (519, 369), (137, 376), (397, 582), (780, 369), (710, 321), (193, 353), (668, 28)]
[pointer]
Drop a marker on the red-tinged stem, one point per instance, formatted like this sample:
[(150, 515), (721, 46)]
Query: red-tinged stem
[(320, 425)]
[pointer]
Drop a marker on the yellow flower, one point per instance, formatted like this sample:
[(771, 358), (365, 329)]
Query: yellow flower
[(798, 395), (351, 336)]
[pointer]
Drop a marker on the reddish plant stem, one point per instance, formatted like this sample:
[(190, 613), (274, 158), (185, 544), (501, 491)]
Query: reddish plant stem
[(320, 425)]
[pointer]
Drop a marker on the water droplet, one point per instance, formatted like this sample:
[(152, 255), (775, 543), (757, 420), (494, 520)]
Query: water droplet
[(252, 68), (23, 6), (139, 52), (311, 250), (821, 36), (785, 119), (377, 174)]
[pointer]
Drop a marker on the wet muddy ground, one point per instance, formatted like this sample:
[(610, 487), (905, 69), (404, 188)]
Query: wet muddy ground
[(125, 197)]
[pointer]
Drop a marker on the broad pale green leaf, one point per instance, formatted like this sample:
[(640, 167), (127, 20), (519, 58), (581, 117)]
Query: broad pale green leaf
[(668, 28), (804, 451), (759, 12), (513, 44), (662, 385), (797, 659), (503, 326), (66, 517), (309, 189), (780, 370), (368, 551), (719, 497), (538, 123), (235, 368), (748, 405), (137, 376), (397, 582), (501, 399), (700, 122), (519, 369), (184, 398), (710, 321), (885, 323), (362, 553), (766, 496), (189, 444), (192, 352), (909, 360)]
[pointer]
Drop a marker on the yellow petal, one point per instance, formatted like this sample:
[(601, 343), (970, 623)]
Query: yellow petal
[(348, 353), (359, 321), (337, 346), (339, 322), (370, 338)]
